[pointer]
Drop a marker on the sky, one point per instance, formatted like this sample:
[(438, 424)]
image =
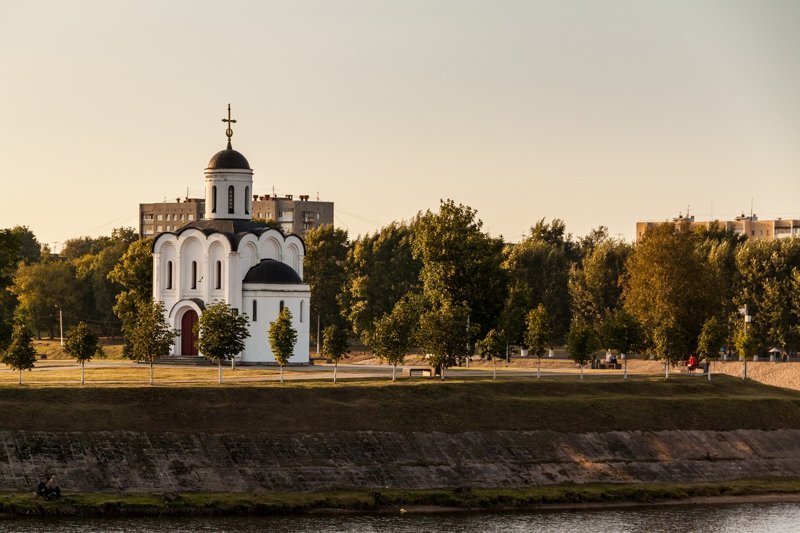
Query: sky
[(596, 112)]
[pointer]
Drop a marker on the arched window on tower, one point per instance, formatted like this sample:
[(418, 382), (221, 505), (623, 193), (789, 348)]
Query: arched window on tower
[(301, 310), (246, 200), (169, 274), (255, 310), (213, 198), (218, 275), (194, 274), (230, 199), (280, 307)]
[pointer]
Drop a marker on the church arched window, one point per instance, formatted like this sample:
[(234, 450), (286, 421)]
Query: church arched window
[(301, 310), (246, 199), (169, 274), (214, 199), (194, 274), (255, 310), (230, 199), (218, 275)]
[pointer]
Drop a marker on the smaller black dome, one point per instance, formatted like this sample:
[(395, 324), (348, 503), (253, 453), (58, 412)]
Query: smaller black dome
[(271, 271), (228, 159)]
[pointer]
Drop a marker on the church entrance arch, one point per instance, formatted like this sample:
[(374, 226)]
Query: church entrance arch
[(188, 337)]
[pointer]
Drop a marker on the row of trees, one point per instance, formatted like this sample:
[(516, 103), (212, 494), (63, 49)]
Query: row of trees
[(443, 285)]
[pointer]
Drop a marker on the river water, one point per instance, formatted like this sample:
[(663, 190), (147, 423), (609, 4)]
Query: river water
[(740, 518)]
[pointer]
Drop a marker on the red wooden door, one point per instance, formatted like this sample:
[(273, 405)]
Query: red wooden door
[(187, 333)]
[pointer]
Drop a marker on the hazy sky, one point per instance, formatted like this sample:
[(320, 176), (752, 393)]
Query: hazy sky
[(596, 112)]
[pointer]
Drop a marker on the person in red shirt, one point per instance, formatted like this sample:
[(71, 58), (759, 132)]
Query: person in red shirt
[(692, 364)]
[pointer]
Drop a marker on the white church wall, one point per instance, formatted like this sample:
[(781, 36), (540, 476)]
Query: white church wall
[(268, 299)]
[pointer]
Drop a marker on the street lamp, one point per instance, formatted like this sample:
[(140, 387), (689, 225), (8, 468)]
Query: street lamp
[(60, 324)]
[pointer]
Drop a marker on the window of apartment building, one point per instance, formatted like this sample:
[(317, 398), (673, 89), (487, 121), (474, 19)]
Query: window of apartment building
[(218, 276), (230, 199), (159, 228), (246, 199), (169, 274), (182, 216), (160, 217), (194, 274), (213, 199), (148, 216), (255, 310), (148, 231), (190, 217)]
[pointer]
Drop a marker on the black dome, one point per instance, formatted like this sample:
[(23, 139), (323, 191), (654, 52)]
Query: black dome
[(271, 271), (228, 159)]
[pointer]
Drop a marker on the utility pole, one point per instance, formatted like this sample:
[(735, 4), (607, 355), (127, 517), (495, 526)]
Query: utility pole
[(60, 325)]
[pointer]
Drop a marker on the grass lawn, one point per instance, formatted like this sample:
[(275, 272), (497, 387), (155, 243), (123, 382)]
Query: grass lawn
[(558, 404)]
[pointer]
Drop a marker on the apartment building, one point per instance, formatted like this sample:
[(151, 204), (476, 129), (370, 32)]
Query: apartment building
[(748, 226), (294, 216)]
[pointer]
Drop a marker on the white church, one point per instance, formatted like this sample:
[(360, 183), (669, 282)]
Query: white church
[(225, 256)]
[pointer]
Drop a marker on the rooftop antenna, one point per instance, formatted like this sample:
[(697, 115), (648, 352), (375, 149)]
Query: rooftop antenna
[(751, 207)]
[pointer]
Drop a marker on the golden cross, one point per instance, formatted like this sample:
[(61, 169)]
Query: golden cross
[(229, 131)]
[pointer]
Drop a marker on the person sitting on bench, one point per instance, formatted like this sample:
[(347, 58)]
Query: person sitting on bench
[(691, 365)]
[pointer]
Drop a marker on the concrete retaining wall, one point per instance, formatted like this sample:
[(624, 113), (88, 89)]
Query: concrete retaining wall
[(136, 462)]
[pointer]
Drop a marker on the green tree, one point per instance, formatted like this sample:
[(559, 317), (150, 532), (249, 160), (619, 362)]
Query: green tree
[(221, 332), (81, 344), (282, 338), (149, 337), (460, 264), (581, 343), (43, 287), (334, 346), (619, 330), (9, 257), (442, 333), (538, 273), (30, 251), (492, 345), (393, 333), (20, 354), (134, 274), (670, 291), (747, 346), (595, 283), (381, 270), (712, 336), (538, 334), (326, 252)]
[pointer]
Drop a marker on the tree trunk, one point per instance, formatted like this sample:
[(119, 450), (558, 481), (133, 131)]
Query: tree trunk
[(708, 368), (20, 376), (83, 367), (233, 363), (281, 367), (394, 372), (581, 372), (335, 366), (625, 367), (219, 366), (442, 373), (151, 372), (744, 370), (538, 368), (494, 367), (666, 369)]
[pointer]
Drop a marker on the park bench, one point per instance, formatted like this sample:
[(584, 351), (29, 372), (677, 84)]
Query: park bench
[(419, 371), (609, 366)]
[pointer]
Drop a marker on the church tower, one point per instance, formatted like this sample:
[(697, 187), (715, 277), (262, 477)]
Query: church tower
[(229, 182)]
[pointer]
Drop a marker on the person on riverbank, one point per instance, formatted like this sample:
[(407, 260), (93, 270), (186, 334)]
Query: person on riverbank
[(691, 365)]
